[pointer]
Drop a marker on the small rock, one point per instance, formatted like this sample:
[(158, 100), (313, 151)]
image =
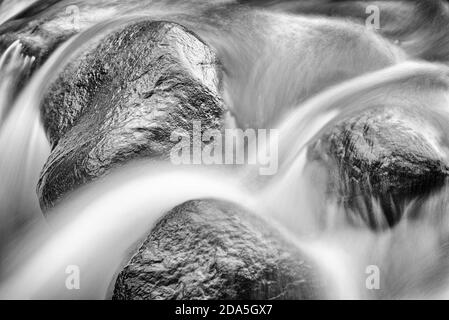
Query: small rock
[(386, 156)]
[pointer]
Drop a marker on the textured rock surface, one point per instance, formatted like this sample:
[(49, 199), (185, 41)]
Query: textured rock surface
[(385, 155), (207, 249), (123, 99)]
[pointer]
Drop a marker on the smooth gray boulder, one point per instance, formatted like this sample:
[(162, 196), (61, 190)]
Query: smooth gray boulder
[(381, 156), (122, 99), (210, 249)]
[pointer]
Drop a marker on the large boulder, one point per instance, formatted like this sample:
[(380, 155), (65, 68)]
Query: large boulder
[(380, 160), (209, 249), (122, 99)]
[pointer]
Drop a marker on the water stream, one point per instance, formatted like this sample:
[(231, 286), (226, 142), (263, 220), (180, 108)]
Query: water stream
[(96, 225)]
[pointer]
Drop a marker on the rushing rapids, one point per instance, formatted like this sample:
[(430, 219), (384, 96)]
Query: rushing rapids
[(92, 92)]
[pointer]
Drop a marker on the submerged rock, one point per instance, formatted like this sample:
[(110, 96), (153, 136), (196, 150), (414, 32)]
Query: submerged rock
[(208, 249), (123, 99), (385, 156)]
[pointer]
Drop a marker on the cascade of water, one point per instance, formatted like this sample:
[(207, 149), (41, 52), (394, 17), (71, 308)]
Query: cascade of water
[(27, 150), (10, 8), (356, 95), (21, 134), (309, 121), (295, 197), (98, 223), (124, 208), (22, 137), (13, 65), (15, 170)]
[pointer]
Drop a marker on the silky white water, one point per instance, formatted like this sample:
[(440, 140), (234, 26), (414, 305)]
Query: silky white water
[(95, 227)]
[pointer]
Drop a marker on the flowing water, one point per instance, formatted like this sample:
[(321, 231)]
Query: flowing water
[(10, 8), (95, 227)]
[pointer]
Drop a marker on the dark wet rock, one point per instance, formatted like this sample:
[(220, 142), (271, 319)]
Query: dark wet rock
[(208, 249), (385, 156), (122, 100)]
